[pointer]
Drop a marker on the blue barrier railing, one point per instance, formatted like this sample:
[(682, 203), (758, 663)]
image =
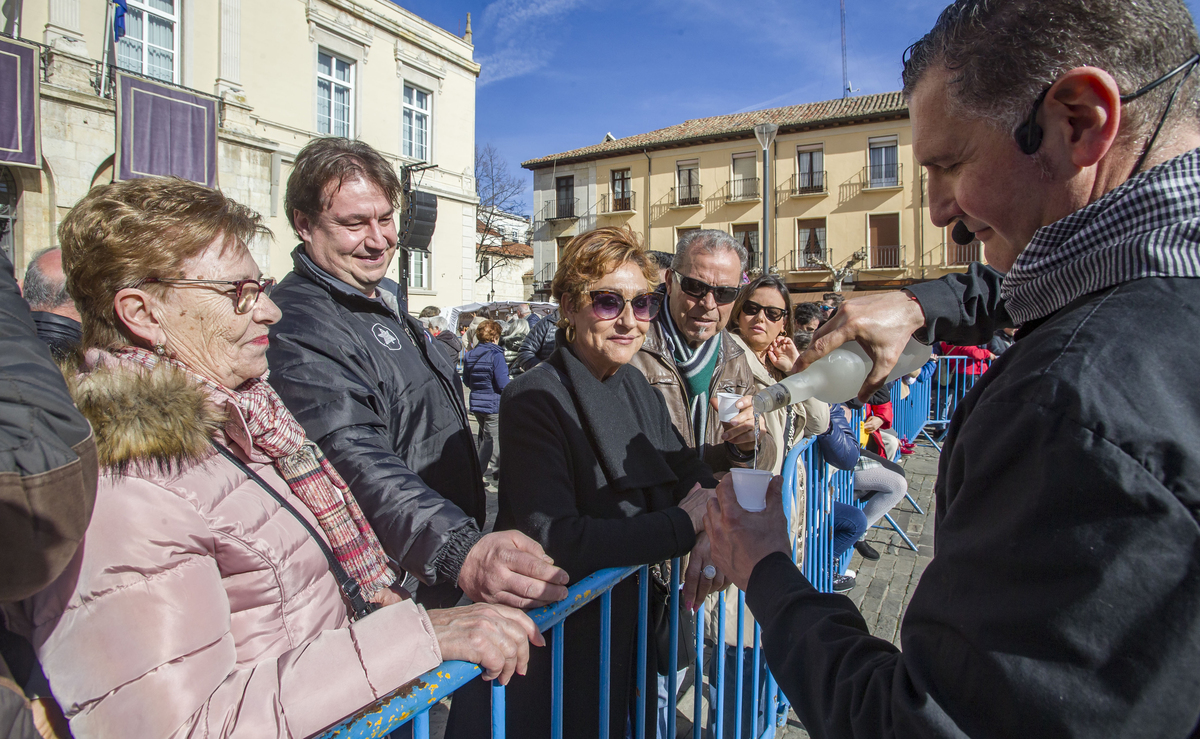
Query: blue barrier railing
[(954, 378), (927, 403)]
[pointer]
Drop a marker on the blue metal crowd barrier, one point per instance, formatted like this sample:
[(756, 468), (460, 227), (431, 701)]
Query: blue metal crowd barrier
[(954, 378), (804, 465)]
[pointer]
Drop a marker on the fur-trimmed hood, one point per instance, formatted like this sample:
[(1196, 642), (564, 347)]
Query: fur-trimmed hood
[(158, 417)]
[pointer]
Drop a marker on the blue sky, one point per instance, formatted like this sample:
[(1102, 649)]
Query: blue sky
[(559, 74)]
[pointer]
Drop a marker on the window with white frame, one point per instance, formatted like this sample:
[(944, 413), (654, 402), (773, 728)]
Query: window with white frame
[(418, 270), (810, 238), (687, 182), (150, 45), (416, 123), (810, 169), (335, 95), (884, 164), (744, 183)]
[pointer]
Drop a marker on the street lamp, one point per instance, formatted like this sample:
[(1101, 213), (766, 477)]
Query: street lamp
[(765, 133)]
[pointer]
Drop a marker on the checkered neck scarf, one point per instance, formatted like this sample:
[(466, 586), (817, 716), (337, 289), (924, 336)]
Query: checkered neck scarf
[(309, 475), (1149, 226), (697, 367)]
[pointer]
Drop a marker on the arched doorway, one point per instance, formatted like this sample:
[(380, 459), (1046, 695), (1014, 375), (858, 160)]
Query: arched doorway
[(8, 211)]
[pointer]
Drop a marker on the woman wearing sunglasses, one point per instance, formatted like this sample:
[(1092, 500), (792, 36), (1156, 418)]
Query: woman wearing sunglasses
[(225, 559), (596, 473), (763, 322)]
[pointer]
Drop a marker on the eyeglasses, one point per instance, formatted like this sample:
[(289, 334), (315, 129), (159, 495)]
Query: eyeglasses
[(608, 304), (774, 315), (697, 289), (245, 295)]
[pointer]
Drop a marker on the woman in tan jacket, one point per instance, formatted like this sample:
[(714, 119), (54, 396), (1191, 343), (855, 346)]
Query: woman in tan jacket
[(206, 598), (762, 323)]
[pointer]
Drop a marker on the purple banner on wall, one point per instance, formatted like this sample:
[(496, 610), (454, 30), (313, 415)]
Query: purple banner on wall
[(162, 131), (19, 135)]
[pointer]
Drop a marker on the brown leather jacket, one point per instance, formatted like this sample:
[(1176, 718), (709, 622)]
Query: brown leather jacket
[(732, 375)]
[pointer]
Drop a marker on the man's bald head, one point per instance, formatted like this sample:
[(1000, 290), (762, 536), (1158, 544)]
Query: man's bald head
[(45, 285)]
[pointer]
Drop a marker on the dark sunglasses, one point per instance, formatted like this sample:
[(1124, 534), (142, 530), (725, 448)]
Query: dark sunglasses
[(698, 289), (608, 304), (774, 315), (245, 294)]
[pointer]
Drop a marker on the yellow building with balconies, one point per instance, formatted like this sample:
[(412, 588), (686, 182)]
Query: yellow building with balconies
[(843, 190)]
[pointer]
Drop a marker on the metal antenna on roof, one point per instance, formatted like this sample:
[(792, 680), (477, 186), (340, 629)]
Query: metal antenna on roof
[(845, 69)]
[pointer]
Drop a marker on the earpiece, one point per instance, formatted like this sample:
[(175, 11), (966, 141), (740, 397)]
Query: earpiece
[(1029, 134)]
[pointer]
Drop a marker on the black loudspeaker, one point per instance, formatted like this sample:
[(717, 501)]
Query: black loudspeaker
[(421, 219)]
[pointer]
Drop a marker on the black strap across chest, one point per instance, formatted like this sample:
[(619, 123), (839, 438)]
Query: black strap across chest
[(347, 585)]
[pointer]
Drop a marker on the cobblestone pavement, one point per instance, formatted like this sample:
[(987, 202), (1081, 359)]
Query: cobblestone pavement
[(884, 587)]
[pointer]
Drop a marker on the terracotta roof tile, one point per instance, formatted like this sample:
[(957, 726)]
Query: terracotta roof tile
[(508, 249), (791, 116)]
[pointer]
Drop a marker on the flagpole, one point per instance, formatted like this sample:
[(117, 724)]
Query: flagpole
[(108, 42)]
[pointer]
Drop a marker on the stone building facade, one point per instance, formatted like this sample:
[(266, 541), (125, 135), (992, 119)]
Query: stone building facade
[(284, 71)]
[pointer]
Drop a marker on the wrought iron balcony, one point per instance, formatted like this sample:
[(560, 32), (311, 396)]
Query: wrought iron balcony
[(743, 189), (960, 255), (886, 257), (812, 258), (685, 196), (809, 183), (882, 176), (626, 203), (561, 209), (541, 282)]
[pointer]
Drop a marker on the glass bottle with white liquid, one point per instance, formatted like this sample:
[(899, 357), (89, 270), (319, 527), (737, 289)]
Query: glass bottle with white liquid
[(836, 377)]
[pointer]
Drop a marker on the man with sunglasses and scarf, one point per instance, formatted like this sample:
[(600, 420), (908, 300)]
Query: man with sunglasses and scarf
[(1064, 596), (689, 357)]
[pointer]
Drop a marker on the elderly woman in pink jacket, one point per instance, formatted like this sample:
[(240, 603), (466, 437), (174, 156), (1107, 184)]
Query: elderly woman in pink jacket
[(228, 584)]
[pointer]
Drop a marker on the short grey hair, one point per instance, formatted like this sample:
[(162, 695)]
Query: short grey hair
[(707, 241), (40, 290), (1002, 54), (436, 324)]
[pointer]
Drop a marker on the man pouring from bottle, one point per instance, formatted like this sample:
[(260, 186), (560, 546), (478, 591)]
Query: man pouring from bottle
[(1064, 595)]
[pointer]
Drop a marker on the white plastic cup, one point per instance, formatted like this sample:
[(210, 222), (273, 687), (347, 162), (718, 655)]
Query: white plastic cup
[(750, 487), (727, 406)]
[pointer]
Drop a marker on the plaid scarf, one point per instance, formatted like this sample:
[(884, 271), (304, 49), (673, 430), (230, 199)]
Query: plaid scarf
[(697, 367), (309, 475), (1149, 226)]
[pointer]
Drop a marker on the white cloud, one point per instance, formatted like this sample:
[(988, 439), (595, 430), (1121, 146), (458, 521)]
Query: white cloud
[(516, 31)]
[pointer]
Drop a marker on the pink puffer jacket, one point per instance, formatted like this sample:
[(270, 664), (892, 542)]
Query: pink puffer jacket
[(196, 605)]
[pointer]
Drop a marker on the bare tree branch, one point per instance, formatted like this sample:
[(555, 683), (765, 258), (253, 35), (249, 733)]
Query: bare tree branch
[(838, 275), (499, 191)]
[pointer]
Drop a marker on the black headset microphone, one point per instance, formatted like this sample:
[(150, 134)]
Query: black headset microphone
[(961, 234), (1029, 138), (1029, 134)]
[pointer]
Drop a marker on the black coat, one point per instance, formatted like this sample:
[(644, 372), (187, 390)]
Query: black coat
[(379, 397), (1064, 597), (539, 343), (451, 345), (556, 488)]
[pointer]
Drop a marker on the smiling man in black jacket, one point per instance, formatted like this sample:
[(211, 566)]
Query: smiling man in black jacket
[(1064, 595), (381, 400)]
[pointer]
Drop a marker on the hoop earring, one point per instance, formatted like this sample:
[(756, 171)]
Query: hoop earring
[(570, 333), (160, 350)]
